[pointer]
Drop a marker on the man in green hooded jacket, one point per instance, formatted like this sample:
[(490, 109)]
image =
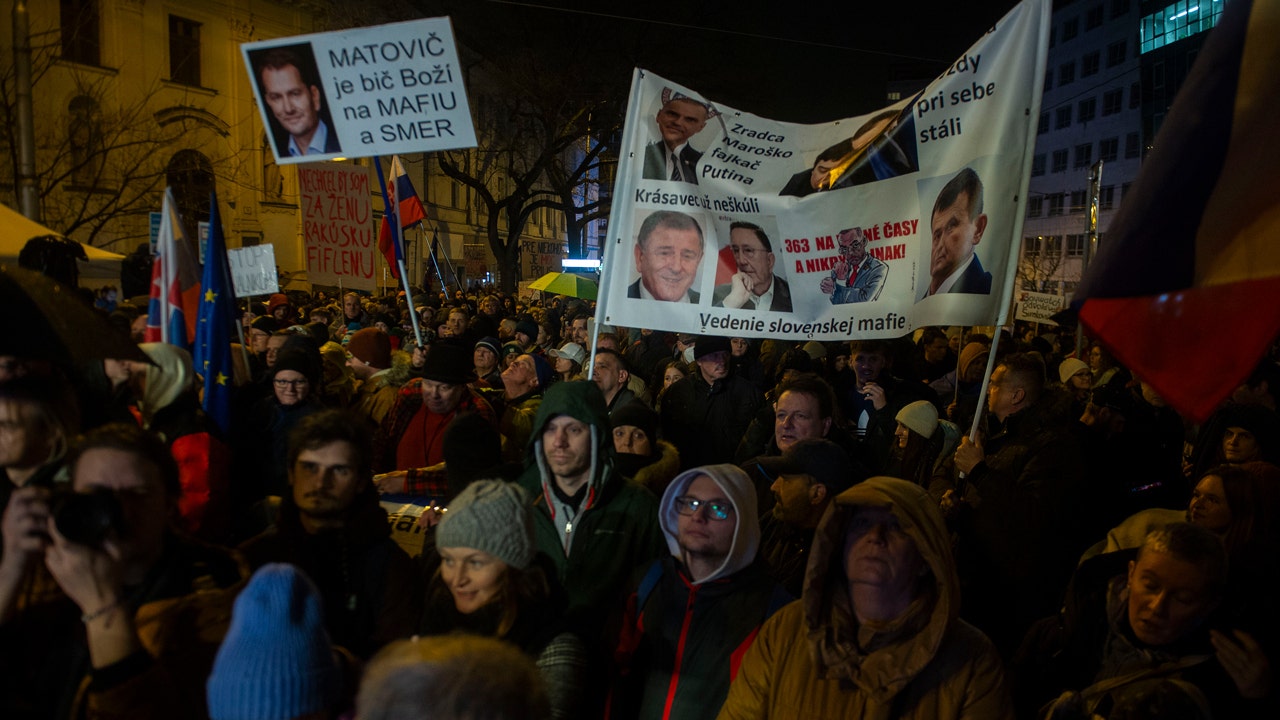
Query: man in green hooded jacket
[(594, 525)]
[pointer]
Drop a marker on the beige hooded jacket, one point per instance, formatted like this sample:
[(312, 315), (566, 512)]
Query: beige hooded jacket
[(813, 660)]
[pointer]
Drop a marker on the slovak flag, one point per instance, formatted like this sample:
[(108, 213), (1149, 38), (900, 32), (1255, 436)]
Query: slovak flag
[(404, 199), (175, 283)]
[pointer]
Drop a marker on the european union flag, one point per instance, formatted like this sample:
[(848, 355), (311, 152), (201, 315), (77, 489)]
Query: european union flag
[(214, 327)]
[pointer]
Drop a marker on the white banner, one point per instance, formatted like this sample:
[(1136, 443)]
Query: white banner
[(1038, 307), (403, 519), (376, 90), (858, 228), (253, 270)]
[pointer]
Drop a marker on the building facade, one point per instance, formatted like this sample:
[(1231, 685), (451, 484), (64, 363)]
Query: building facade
[(132, 96), (1114, 68), (1091, 111)]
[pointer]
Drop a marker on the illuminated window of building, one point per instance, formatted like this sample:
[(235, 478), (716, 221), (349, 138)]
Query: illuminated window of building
[(1176, 21)]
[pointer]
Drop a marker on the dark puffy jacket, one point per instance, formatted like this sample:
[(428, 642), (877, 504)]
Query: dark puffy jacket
[(706, 422), (372, 591), (1021, 542)]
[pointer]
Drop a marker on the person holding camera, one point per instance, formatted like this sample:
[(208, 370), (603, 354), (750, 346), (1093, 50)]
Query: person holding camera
[(38, 418), (104, 608)]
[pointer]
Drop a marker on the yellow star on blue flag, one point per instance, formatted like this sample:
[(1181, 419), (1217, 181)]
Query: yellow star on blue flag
[(216, 326)]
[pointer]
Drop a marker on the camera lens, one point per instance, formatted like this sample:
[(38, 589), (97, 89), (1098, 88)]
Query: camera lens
[(87, 518)]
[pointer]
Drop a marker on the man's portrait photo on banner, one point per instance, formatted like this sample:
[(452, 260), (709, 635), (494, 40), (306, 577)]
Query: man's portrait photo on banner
[(668, 257), (748, 274), (679, 118), (955, 227), (288, 82)]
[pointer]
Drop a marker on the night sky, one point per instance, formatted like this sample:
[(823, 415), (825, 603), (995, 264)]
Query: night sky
[(802, 62)]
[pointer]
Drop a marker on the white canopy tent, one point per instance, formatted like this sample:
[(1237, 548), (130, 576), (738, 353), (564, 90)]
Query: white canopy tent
[(102, 267)]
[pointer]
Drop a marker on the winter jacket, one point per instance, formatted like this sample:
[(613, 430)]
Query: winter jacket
[(596, 546), (516, 425), (169, 409), (813, 660), (1091, 641), (181, 612), (875, 428), (260, 443), (681, 642), (371, 589), (407, 404), (706, 422), (1021, 542), (539, 631), (375, 396), (654, 471)]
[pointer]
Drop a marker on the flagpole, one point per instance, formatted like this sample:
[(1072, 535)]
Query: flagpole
[(393, 222), (981, 410), (243, 350), (436, 264)]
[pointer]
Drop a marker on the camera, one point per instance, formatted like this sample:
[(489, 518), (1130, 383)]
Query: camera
[(87, 518)]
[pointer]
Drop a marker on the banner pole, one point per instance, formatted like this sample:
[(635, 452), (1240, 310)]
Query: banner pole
[(392, 215), (413, 313), (981, 410)]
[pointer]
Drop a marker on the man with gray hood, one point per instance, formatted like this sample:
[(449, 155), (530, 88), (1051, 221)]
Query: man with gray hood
[(697, 611)]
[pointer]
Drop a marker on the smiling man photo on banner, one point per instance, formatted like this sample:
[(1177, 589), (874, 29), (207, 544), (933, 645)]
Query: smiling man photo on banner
[(672, 158), (290, 86), (857, 276), (668, 252), (753, 286), (957, 225)]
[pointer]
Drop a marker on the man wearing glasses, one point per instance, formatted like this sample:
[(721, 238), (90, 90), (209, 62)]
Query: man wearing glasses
[(753, 286), (698, 609)]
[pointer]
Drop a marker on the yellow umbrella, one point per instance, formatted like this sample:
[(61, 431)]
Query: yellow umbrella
[(563, 283)]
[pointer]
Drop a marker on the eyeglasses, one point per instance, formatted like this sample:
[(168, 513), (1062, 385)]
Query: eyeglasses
[(291, 383), (686, 505), (747, 252)]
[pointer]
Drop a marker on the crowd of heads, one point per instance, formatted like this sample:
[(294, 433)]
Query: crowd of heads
[(854, 446)]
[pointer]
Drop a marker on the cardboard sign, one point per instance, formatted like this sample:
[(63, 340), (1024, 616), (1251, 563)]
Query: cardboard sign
[(1038, 307), (337, 225), (253, 270)]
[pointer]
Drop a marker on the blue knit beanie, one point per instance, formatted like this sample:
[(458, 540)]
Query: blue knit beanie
[(544, 371), (276, 662)]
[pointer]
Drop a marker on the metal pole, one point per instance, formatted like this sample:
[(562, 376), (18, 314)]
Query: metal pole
[(1091, 249), (28, 194), (392, 214)]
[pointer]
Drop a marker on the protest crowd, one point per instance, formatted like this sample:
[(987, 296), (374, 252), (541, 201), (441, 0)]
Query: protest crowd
[(624, 522)]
